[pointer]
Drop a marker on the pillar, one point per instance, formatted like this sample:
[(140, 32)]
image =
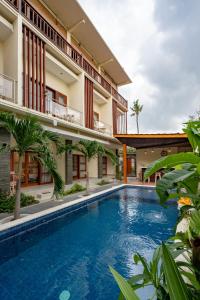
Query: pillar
[(117, 170), (4, 162), (125, 162), (68, 165), (100, 166)]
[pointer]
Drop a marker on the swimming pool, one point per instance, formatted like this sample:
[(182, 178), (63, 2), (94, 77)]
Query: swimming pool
[(69, 255)]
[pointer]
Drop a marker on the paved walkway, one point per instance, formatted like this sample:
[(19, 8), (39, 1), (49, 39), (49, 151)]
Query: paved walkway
[(52, 203), (43, 205)]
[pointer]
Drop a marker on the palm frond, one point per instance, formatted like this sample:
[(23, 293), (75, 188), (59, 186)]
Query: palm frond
[(112, 156)]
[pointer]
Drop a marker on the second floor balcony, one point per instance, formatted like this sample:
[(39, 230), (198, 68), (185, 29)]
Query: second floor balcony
[(102, 127), (63, 112), (7, 88)]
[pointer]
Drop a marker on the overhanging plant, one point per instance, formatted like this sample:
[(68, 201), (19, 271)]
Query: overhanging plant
[(173, 278), (29, 135)]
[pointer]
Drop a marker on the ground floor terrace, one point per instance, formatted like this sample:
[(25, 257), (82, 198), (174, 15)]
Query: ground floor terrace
[(149, 147), (71, 165)]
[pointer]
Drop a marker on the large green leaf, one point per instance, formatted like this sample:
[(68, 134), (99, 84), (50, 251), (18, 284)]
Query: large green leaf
[(193, 133), (194, 225), (124, 286), (167, 182), (154, 265), (177, 288), (171, 161)]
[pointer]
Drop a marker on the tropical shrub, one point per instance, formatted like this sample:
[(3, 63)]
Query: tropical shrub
[(7, 202), (182, 176), (103, 182), (171, 277), (74, 189), (29, 135), (91, 149)]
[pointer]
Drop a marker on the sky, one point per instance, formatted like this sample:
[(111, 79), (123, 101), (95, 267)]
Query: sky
[(157, 42)]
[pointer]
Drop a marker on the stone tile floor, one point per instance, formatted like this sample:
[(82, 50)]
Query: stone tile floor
[(48, 203)]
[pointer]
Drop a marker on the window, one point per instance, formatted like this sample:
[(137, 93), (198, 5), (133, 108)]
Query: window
[(32, 172), (61, 99), (56, 96)]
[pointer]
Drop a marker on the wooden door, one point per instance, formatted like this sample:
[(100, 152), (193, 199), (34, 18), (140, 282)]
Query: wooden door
[(79, 166)]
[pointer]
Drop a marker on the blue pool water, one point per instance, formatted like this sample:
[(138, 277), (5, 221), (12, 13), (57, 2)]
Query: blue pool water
[(68, 257)]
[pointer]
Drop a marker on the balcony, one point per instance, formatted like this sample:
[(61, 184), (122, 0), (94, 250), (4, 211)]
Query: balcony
[(7, 88), (14, 3), (94, 74), (102, 127), (66, 113), (47, 30), (119, 98)]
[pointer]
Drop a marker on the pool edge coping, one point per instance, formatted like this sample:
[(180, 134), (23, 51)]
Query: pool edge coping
[(31, 217)]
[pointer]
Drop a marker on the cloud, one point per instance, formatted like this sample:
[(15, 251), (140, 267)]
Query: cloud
[(157, 42)]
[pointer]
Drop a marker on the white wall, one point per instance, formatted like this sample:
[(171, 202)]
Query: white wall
[(97, 109), (110, 167), (76, 95), (106, 112), (60, 160), (10, 48), (93, 167), (56, 83), (1, 58)]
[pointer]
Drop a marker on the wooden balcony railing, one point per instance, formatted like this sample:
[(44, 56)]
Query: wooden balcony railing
[(40, 23), (45, 28), (14, 3), (94, 74), (119, 98)]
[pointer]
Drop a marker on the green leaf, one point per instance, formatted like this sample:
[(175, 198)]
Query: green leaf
[(194, 226), (139, 258), (124, 286), (192, 279), (171, 161), (154, 269), (176, 286), (168, 181), (198, 168)]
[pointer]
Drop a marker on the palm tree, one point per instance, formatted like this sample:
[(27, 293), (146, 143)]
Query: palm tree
[(29, 135), (91, 149), (136, 109)]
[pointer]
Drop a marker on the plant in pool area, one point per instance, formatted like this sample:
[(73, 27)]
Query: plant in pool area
[(183, 181), (171, 276), (91, 149), (74, 189), (7, 202), (29, 135), (164, 274), (103, 182), (182, 177)]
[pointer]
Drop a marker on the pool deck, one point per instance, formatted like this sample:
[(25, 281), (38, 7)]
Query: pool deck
[(44, 207), (32, 209)]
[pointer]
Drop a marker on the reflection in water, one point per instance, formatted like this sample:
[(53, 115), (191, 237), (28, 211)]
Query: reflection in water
[(72, 253)]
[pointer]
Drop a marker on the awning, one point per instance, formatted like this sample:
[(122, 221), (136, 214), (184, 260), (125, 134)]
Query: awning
[(142, 141)]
